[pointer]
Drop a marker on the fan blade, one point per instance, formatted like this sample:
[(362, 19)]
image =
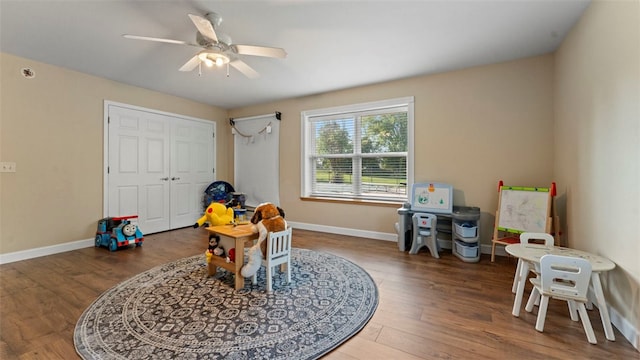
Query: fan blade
[(245, 69), (191, 64), (169, 41), (260, 51), (204, 27)]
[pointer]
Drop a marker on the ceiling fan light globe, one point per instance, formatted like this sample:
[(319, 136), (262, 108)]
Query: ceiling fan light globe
[(211, 58), (203, 57)]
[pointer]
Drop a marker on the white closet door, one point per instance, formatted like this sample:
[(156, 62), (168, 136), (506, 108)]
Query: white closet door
[(191, 169), (159, 167), (139, 167)]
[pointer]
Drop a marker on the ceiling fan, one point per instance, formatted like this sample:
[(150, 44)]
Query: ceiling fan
[(217, 48)]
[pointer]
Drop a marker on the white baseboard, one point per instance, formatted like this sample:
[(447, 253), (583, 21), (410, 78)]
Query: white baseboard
[(46, 250), (623, 325), (486, 249), (345, 231), (444, 244)]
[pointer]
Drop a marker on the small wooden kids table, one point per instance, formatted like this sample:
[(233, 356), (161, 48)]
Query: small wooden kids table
[(240, 234)]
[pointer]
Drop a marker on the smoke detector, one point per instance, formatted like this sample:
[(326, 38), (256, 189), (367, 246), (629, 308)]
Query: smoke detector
[(28, 73)]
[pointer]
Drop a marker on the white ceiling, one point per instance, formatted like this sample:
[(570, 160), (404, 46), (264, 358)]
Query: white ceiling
[(330, 44)]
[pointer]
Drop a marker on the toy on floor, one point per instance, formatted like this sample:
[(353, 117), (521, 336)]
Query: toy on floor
[(117, 232), (217, 191), (267, 218)]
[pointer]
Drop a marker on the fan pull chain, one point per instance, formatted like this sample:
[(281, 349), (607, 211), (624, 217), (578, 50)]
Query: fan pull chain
[(227, 69)]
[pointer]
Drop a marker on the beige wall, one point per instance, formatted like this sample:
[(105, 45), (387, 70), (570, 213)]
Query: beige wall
[(52, 127), (597, 127), (473, 127)]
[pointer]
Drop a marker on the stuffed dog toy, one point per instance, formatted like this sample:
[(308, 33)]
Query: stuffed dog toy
[(266, 218)]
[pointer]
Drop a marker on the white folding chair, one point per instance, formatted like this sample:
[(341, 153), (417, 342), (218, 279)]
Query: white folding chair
[(424, 233), (526, 238), (278, 253), (564, 278)]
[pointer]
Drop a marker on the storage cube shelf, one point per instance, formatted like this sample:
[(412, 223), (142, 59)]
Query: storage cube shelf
[(465, 233)]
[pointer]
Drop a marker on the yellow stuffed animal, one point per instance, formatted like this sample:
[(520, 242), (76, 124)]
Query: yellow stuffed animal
[(216, 214)]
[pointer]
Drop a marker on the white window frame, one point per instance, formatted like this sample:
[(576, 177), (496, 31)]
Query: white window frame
[(307, 166)]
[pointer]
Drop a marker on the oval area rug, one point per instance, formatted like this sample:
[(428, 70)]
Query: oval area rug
[(174, 311)]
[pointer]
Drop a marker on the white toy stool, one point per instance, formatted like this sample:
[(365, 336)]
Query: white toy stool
[(424, 233)]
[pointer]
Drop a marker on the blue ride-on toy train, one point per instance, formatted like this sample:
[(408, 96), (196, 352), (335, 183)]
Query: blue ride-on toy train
[(117, 232)]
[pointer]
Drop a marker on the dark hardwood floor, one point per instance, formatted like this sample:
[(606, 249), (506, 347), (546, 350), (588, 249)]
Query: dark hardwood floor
[(428, 308)]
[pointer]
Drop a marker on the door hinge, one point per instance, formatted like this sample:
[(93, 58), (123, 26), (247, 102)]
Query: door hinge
[(108, 169), (214, 135), (213, 170), (108, 119)]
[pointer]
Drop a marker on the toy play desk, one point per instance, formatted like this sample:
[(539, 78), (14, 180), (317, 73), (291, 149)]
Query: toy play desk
[(449, 224), (240, 234)]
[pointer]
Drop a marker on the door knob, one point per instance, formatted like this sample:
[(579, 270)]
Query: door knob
[(175, 178), (164, 179)]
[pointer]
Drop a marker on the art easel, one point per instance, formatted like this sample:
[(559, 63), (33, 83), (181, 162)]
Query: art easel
[(524, 209)]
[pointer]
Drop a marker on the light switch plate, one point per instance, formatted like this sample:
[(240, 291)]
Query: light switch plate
[(7, 167)]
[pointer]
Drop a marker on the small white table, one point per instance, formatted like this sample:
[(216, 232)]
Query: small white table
[(531, 253)]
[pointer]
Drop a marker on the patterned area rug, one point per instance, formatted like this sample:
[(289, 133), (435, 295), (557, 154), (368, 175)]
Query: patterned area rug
[(175, 311)]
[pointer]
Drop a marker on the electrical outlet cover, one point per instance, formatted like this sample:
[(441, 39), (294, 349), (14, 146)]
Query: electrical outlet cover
[(7, 167)]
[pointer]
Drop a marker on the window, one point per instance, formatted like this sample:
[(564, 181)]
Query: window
[(361, 151)]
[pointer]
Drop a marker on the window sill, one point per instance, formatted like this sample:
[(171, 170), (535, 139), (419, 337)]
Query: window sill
[(393, 204)]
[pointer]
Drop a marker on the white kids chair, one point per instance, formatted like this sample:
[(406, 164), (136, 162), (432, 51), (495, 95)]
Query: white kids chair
[(424, 233), (526, 238), (278, 253), (564, 278)]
